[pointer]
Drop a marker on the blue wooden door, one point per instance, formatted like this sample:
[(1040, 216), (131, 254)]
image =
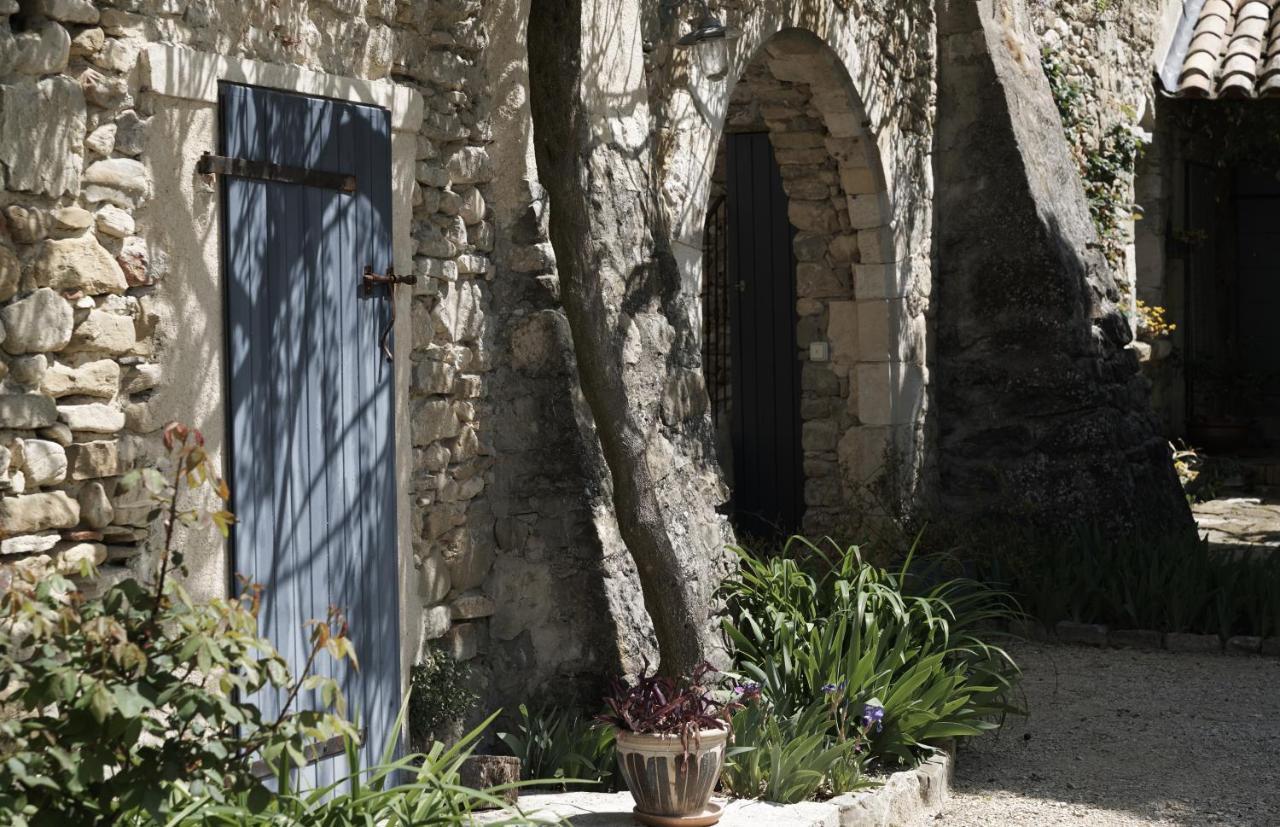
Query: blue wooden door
[(311, 414)]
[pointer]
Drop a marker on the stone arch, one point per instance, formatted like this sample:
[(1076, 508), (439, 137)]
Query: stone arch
[(860, 405)]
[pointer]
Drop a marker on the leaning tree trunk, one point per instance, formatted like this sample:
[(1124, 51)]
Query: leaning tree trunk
[(618, 283)]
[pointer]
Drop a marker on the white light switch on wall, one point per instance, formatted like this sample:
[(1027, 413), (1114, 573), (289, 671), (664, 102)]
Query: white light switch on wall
[(819, 351)]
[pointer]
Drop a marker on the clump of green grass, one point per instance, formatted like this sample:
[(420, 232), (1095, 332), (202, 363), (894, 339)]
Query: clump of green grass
[(1170, 584), (910, 640)]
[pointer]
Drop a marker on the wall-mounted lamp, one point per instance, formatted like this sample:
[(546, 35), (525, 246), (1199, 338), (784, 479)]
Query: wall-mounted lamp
[(709, 39)]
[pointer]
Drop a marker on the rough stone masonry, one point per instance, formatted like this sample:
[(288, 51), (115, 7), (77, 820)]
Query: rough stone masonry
[(509, 568), (978, 339), (1044, 421)]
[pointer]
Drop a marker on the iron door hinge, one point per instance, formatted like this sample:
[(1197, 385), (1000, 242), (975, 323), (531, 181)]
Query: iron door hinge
[(210, 164)]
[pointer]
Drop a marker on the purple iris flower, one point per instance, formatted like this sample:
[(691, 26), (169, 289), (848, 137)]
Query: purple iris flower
[(873, 714)]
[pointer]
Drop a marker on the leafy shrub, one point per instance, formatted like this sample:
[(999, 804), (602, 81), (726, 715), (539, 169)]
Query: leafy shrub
[(791, 758), (439, 694), (1153, 322), (562, 744), (129, 708), (808, 618), (124, 701)]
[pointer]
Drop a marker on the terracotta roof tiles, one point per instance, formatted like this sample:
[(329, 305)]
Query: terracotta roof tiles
[(1225, 49)]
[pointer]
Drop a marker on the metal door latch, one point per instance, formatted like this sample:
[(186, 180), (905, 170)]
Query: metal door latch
[(371, 280)]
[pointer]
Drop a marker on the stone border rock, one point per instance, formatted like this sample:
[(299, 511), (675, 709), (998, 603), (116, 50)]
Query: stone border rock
[(905, 797), (1097, 634)]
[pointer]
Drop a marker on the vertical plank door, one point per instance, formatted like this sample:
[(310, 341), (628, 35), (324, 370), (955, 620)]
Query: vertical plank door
[(1257, 300), (310, 397), (768, 470)]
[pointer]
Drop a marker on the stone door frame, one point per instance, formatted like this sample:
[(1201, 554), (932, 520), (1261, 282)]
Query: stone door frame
[(183, 226), (876, 331)]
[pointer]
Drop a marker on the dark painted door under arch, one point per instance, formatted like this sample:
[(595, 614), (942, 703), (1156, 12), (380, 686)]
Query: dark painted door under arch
[(768, 464)]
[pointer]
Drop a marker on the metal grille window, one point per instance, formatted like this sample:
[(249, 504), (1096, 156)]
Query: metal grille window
[(715, 307)]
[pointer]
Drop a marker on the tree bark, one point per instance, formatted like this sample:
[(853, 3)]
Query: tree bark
[(617, 279)]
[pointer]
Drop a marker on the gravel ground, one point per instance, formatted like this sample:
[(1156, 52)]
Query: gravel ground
[(1124, 737)]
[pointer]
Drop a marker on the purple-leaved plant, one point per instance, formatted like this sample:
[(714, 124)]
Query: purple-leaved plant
[(659, 705)]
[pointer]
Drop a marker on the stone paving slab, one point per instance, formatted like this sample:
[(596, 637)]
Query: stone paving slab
[(1239, 522), (902, 798), (609, 809)]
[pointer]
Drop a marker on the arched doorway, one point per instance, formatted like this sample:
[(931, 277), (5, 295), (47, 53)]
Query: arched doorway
[(798, 299)]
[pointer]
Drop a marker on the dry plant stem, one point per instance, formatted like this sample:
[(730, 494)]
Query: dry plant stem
[(284, 709), (167, 551)]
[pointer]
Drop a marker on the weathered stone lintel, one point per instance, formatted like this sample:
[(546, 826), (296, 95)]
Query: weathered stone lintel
[(180, 72)]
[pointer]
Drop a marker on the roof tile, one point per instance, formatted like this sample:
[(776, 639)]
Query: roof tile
[(1232, 50)]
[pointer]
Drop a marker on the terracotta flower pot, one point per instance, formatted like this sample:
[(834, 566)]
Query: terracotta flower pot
[(662, 780)]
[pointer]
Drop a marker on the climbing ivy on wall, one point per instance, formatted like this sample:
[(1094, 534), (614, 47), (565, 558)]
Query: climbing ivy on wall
[(1107, 156), (1108, 174), (1068, 93)]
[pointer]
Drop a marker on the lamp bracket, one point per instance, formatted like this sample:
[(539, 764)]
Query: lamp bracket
[(668, 10)]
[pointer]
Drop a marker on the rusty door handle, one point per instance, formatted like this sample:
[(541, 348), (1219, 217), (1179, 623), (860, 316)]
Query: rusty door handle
[(371, 280)]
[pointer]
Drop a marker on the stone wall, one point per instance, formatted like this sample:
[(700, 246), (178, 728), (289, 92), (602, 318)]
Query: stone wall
[(544, 551), (109, 272), (84, 268), (92, 275), (77, 283), (1107, 54), (451, 361), (564, 588), (83, 264), (511, 556), (848, 91), (512, 564)]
